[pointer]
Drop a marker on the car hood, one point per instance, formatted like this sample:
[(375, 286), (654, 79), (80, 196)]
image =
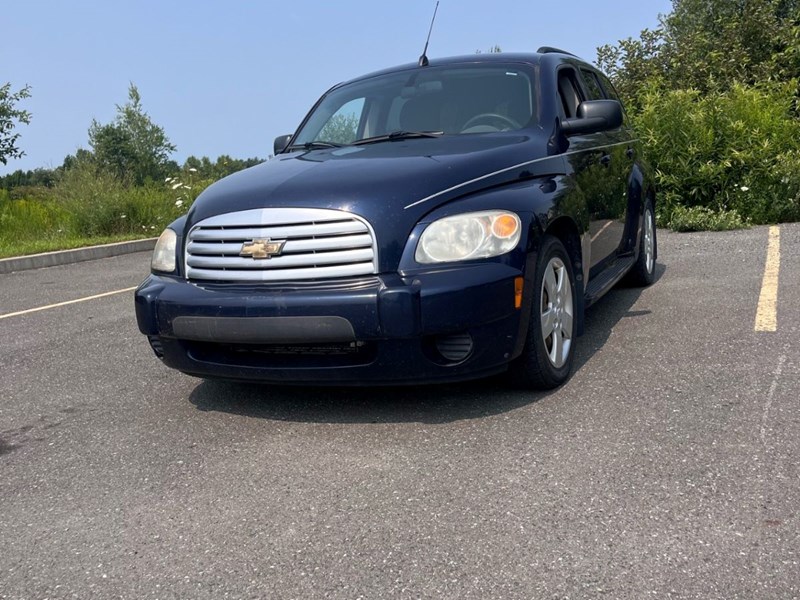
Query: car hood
[(391, 184)]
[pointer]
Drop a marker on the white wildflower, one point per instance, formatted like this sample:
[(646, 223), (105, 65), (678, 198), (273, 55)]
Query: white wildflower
[(168, 179), (744, 188), (193, 170), (175, 186), (122, 216), (178, 202)]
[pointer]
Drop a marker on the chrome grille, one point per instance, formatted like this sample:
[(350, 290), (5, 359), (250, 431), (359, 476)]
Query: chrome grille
[(319, 244)]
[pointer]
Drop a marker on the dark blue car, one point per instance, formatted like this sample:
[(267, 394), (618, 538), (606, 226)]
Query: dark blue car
[(425, 223)]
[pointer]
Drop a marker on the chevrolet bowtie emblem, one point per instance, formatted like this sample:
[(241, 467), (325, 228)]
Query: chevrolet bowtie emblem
[(262, 248)]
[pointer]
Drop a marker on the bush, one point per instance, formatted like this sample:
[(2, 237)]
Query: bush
[(95, 199), (700, 218), (88, 205), (102, 205), (30, 219), (725, 151)]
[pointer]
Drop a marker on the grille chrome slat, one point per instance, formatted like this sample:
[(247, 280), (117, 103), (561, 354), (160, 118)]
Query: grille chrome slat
[(280, 232), (342, 242), (283, 274), (319, 244), (280, 262)]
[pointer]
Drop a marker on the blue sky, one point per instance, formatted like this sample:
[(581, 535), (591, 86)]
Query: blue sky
[(226, 78)]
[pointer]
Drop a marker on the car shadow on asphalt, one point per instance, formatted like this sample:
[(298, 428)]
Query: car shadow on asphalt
[(440, 403)]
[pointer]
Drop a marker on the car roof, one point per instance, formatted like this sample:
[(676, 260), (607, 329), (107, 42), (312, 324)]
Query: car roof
[(529, 58)]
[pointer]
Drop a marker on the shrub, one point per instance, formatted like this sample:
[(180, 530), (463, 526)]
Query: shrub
[(102, 205), (94, 198), (31, 219), (725, 151), (31, 192), (700, 218), (87, 205)]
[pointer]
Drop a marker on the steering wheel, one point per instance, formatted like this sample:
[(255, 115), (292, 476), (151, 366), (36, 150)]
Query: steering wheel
[(487, 118)]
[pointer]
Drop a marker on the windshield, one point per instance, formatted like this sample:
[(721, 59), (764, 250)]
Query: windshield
[(462, 99)]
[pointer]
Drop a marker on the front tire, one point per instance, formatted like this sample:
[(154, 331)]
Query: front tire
[(546, 360)]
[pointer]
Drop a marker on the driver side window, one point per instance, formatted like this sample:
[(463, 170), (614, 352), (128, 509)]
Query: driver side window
[(569, 93)]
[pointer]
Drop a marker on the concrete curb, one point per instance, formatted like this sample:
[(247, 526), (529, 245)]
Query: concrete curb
[(65, 257)]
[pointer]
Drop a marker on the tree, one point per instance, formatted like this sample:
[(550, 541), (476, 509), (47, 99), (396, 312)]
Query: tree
[(225, 165), (340, 129), (714, 95), (40, 177), (708, 45), (712, 44), (634, 64), (133, 148), (10, 116)]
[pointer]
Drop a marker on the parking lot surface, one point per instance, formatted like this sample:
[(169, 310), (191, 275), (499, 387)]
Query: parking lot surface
[(665, 468)]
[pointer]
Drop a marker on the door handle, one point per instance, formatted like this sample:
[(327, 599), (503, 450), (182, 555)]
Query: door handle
[(606, 160)]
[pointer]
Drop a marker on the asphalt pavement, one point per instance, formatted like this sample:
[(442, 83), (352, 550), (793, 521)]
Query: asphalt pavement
[(665, 468)]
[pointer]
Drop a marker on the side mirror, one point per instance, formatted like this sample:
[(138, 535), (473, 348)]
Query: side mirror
[(280, 143), (594, 116)]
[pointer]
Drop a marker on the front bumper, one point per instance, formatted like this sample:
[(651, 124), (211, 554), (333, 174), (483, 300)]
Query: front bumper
[(446, 325)]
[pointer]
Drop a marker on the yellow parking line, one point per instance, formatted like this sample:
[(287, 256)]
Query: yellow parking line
[(767, 314), (602, 229), (40, 308)]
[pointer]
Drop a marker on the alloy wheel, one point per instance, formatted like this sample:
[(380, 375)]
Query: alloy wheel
[(649, 241), (557, 312)]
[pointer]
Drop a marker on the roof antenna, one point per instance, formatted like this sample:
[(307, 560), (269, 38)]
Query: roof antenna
[(423, 60)]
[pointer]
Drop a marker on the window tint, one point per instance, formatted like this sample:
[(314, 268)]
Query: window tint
[(609, 89), (342, 127), (593, 88), (457, 99), (611, 93), (569, 93)]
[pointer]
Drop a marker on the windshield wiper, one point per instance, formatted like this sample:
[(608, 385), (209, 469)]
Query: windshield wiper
[(315, 145), (398, 135)]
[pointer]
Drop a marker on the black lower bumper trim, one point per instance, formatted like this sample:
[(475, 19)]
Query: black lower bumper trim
[(264, 330)]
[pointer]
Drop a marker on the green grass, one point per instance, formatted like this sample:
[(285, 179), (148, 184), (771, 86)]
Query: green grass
[(25, 247), (34, 226), (88, 207)]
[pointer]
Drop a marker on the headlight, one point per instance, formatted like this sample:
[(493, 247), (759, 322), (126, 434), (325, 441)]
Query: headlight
[(469, 236), (164, 253)]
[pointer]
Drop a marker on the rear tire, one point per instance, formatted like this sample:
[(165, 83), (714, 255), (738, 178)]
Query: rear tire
[(643, 272), (546, 359)]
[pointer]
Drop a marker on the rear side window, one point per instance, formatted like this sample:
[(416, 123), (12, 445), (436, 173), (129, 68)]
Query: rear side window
[(592, 85), (609, 89), (611, 93)]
